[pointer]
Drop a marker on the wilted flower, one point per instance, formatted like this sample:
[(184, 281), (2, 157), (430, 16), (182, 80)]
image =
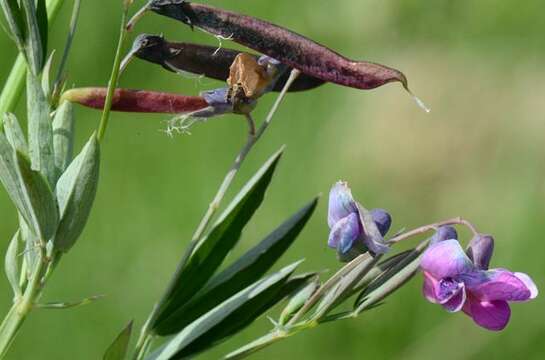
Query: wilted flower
[(354, 230), (456, 282)]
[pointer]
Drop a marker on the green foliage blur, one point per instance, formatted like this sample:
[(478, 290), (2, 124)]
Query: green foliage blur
[(480, 66)]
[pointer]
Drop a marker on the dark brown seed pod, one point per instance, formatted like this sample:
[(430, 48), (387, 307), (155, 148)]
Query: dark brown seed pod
[(279, 43), (209, 61), (141, 101)]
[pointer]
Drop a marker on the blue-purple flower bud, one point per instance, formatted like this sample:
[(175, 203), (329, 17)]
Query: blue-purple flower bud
[(354, 230), (480, 250), (444, 233), (382, 219)]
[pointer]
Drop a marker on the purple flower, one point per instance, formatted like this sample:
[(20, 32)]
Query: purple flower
[(456, 282), (354, 230)]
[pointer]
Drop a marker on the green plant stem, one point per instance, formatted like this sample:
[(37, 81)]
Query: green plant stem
[(11, 93), (112, 84), (22, 306), (253, 137)]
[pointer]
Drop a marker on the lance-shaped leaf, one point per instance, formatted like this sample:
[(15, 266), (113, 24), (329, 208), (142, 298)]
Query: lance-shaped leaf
[(118, 349), (76, 192), (298, 300), (279, 43), (249, 268), (212, 250), (31, 252), (28, 190), (210, 61), (254, 346), (15, 19), (15, 134), (40, 131), (63, 136), (391, 280), (227, 318), (11, 265), (345, 284), (35, 41)]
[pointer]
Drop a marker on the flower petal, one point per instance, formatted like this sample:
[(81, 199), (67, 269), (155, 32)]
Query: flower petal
[(480, 250), (341, 203), (456, 302), (429, 289), (491, 315), (446, 259), (502, 285), (529, 284), (344, 233)]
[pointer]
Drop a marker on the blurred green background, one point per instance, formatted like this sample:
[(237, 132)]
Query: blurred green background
[(479, 65)]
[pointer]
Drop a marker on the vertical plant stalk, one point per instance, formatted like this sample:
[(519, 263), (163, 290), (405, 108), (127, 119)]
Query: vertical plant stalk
[(146, 337), (15, 82), (23, 305)]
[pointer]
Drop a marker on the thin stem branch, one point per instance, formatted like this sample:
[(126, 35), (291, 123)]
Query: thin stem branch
[(22, 306), (112, 84), (433, 227), (253, 137)]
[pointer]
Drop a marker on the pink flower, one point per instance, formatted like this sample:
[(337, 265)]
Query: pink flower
[(454, 281)]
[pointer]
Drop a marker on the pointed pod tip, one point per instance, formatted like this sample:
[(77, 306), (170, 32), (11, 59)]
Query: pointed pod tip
[(416, 99)]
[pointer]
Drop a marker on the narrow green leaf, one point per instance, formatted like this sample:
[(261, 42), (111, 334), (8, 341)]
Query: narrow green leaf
[(28, 190), (40, 131), (63, 135), (69, 305), (11, 265), (227, 318), (249, 268), (345, 285), (16, 23), (43, 26), (43, 214), (212, 250), (34, 46), (31, 242), (378, 270), (298, 300), (76, 192), (254, 346), (46, 76), (118, 349), (391, 280), (14, 133)]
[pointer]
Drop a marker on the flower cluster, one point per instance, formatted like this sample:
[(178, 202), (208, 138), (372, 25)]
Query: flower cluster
[(456, 279), (461, 281)]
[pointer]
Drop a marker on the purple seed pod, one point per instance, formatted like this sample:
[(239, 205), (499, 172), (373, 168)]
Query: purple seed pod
[(480, 250), (141, 101), (279, 43), (209, 61)]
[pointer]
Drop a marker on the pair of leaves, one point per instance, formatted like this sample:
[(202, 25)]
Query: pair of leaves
[(29, 191), (203, 309), (228, 317), (243, 272), (28, 24), (212, 250)]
